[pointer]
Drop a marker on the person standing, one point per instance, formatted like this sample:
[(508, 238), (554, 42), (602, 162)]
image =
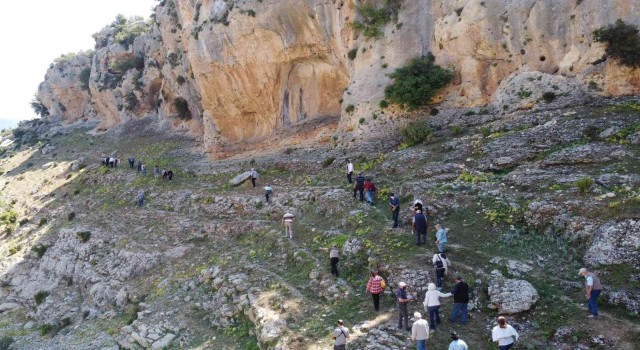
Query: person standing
[(334, 257), (441, 264), (394, 204), (267, 192), (132, 162), (340, 336), (420, 331), (460, 301), (593, 289), (359, 187), (140, 198), (441, 237), (420, 227), (287, 220), (156, 172), (504, 334), (349, 170), (403, 309), (374, 286), (254, 177), (144, 170), (432, 304), (139, 166), (369, 189), (457, 343)]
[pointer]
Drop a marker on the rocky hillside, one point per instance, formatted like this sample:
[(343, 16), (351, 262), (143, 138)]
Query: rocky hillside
[(286, 72), (529, 197)]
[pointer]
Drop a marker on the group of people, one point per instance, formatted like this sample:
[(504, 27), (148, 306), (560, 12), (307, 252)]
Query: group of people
[(363, 185), (110, 161)]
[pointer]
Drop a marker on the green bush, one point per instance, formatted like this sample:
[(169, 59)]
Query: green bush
[(39, 250), (352, 54), (9, 217), (180, 80), (350, 109), (43, 221), (328, 161), (361, 121), (84, 236), (384, 104), (123, 65), (372, 19), (182, 108), (457, 130), (39, 108), (417, 132), (417, 83), (84, 76), (583, 184), (623, 42), (71, 216), (549, 96), (40, 297), (128, 29), (5, 343)]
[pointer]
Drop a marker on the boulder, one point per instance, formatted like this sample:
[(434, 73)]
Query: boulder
[(511, 296), (240, 179), (615, 242), (47, 149), (164, 342), (8, 307), (77, 164)]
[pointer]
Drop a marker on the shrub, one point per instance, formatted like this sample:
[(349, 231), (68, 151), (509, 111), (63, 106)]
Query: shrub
[(182, 108), (5, 343), (39, 250), (350, 109), (43, 221), (131, 101), (9, 217), (457, 130), (361, 121), (372, 19), (417, 83), (524, 94), (384, 104), (417, 132), (127, 29), (71, 216), (352, 54), (473, 178), (180, 80), (123, 65), (14, 249), (328, 161), (40, 297), (39, 108), (259, 205), (623, 42), (174, 59), (84, 76), (583, 184), (84, 236), (549, 96)]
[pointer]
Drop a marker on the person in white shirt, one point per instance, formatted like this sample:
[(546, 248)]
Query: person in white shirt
[(432, 304), (340, 336), (457, 343), (349, 171), (441, 263), (287, 220), (504, 334), (420, 331)]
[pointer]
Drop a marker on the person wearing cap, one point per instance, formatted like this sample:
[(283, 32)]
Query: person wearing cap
[(334, 257), (349, 171), (593, 289), (420, 331), (374, 286), (420, 227), (403, 309), (460, 301), (432, 304), (504, 334), (340, 336), (359, 187), (441, 237), (457, 343), (394, 204), (287, 220)]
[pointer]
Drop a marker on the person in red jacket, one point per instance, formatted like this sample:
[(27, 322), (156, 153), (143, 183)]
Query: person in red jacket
[(369, 189), (374, 286)]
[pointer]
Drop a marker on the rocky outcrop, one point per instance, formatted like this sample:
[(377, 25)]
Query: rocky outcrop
[(234, 72), (616, 243), (511, 296)]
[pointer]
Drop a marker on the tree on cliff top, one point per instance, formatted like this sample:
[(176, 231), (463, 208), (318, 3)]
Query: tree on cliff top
[(417, 83), (38, 107), (127, 29), (623, 42)]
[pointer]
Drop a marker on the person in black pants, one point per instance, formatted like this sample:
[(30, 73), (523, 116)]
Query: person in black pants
[(420, 227), (334, 257), (394, 204), (359, 187)]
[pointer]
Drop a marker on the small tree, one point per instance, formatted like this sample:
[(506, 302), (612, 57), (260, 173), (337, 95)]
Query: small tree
[(417, 132), (417, 83), (623, 42), (38, 107)]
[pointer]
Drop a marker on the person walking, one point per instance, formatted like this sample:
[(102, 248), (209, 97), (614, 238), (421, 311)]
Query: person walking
[(157, 172), (457, 343), (169, 175), (254, 177), (132, 162), (144, 170), (287, 220), (140, 198), (441, 264), (593, 289), (441, 237), (334, 257), (432, 304), (375, 287), (139, 166), (349, 170), (369, 189), (420, 331), (420, 227), (403, 309), (394, 204), (267, 192), (460, 301), (340, 336), (359, 187), (504, 334)]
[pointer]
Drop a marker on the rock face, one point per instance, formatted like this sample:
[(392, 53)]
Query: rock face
[(235, 72), (511, 296), (616, 243)]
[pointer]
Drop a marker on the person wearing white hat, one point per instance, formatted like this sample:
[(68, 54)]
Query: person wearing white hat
[(593, 289), (420, 331), (403, 310)]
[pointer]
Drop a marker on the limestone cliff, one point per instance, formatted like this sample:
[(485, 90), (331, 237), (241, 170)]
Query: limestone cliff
[(234, 72)]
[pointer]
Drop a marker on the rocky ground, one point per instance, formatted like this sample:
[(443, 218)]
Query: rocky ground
[(205, 265)]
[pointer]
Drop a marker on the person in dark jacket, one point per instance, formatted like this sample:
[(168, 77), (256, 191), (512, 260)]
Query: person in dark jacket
[(394, 205), (359, 187), (420, 227), (460, 301)]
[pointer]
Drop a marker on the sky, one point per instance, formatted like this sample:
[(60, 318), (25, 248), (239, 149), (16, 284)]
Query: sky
[(34, 32)]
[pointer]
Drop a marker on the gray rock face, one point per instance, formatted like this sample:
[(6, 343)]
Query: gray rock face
[(240, 179), (616, 243), (511, 296)]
